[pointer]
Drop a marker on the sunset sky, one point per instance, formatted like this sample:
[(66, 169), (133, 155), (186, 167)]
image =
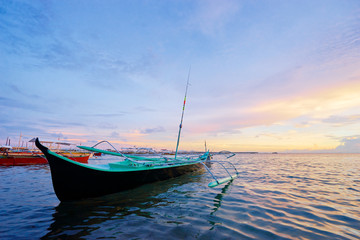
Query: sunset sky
[(265, 75)]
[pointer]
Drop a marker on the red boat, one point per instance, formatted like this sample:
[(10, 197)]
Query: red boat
[(33, 158), (97, 154), (22, 156)]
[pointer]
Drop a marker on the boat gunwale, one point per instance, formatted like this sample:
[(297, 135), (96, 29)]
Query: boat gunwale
[(108, 168)]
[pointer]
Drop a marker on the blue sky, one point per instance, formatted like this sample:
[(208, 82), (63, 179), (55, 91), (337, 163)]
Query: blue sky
[(265, 75)]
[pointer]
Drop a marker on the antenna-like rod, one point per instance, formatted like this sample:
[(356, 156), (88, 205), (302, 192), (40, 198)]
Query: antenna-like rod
[(182, 115)]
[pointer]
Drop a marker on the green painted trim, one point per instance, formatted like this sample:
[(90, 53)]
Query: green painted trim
[(119, 154), (100, 151)]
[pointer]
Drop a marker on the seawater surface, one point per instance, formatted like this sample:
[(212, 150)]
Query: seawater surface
[(277, 196)]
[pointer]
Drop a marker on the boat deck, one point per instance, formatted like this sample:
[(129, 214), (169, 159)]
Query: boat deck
[(128, 165)]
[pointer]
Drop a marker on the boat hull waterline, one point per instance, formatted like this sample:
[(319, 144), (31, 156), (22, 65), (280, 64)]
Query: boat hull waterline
[(73, 180)]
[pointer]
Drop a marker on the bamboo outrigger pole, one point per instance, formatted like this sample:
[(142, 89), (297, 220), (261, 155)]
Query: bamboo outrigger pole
[(182, 115)]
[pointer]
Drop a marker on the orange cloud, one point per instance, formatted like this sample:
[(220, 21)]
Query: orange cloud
[(317, 104)]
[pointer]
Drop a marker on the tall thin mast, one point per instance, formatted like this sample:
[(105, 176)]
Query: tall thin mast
[(182, 114), (19, 139)]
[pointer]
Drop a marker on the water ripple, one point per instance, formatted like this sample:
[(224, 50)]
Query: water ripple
[(290, 196)]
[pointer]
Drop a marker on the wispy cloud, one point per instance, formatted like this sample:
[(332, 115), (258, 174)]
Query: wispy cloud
[(113, 72), (19, 91), (211, 16), (20, 20), (52, 125), (318, 105), (30, 30), (339, 120), (313, 107), (7, 103), (152, 130), (341, 43), (107, 115), (144, 109)]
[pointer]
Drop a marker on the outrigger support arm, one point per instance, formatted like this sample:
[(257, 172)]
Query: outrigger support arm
[(210, 172), (217, 181), (111, 146)]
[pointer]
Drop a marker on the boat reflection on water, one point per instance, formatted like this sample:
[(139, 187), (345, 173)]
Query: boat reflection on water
[(119, 211), (217, 203), (219, 197)]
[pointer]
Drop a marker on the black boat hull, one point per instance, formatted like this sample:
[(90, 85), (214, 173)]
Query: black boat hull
[(73, 181)]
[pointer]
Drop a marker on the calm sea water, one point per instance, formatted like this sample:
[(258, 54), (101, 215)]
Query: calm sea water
[(282, 196)]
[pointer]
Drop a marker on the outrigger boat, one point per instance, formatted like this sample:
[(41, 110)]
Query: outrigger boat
[(28, 157), (73, 180)]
